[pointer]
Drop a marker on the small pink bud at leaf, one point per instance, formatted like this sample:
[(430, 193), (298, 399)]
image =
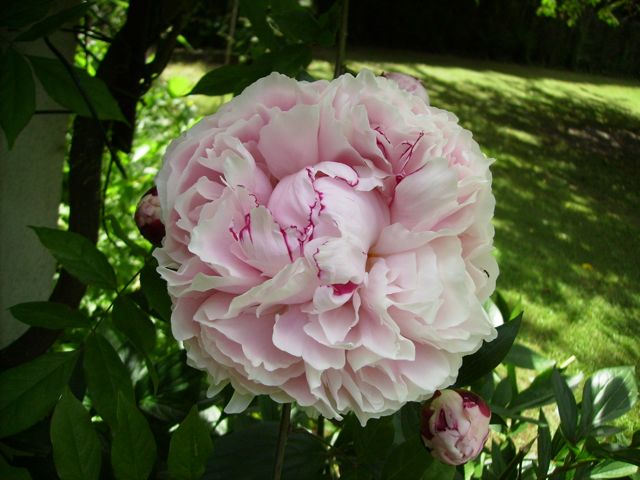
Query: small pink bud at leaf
[(455, 425), (148, 217)]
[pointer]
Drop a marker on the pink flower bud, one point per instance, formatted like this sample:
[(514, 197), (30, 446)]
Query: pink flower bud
[(148, 217), (410, 84), (455, 425)]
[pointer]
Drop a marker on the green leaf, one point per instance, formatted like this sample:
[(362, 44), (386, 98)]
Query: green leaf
[(407, 460), (523, 357), (544, 446), (298, 24), (566, 406), (490, 354), (190, 448), (135, 324), (155, 291), (122, 235), (228, 79), (54, 22), (179, 86), (17, 94), (17, 14), (607, 395), (133, 451), (439, 471), (78, 256), (305, 455), (613, 469), (410, 419), (30, 391), (7, 472), (76, 447), (61, 87), (106, 377), (49, 315), (373, 441)]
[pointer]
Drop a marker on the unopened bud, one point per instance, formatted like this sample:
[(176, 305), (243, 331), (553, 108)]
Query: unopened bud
[(455, 425), (148, 217)]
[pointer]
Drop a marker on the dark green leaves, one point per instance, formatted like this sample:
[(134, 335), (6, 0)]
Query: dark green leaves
[(544, 446), (51, 23), (228, 79), (608, 394), (190, 448), (154, 289), (49, 315), (61, 87), (304, 455), (490, 354), (106, 377), (566, 406), (408, 460), (20, 13), (76, 447), (135, 324), (17, 93), (78, 256), (31, 390), (523, 357), (133, 451)]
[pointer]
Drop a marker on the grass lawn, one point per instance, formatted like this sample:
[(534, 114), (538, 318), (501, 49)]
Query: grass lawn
[(567, 185)]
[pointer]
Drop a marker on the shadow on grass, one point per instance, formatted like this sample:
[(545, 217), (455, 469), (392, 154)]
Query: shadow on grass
[(567, 183)]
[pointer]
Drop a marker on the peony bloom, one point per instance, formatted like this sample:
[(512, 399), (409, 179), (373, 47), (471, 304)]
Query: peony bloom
[(148, 217), (328, 243), (410, 84), (455, 426)]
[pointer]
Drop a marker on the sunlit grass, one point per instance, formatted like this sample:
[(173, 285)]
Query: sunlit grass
[(567, 184)]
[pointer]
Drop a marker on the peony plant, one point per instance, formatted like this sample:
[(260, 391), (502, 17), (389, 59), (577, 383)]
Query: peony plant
[(328, 243)]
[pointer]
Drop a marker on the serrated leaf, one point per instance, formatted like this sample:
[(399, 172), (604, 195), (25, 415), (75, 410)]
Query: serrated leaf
[(30, 391), (78, 256), (61, 87), (566, 406), (133, 451), (20, 13), (607, 395), (17, 94), (155, 291), (106, 377), (49, 315), (613, 469), (135, 324), (53, 22), (76, 447), (305, 455), (490, 354), (190, 448), (407, 460), (544, 446)]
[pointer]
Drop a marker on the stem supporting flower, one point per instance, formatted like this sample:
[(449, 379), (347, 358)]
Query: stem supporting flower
[(285, 423)]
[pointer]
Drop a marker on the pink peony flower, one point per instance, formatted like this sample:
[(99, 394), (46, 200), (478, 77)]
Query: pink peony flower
[(455, 426), (410, 84), (328, 243), (148, 217)]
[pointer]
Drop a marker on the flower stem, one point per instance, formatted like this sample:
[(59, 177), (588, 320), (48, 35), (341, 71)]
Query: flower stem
[(342, 40), (285, 422)]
